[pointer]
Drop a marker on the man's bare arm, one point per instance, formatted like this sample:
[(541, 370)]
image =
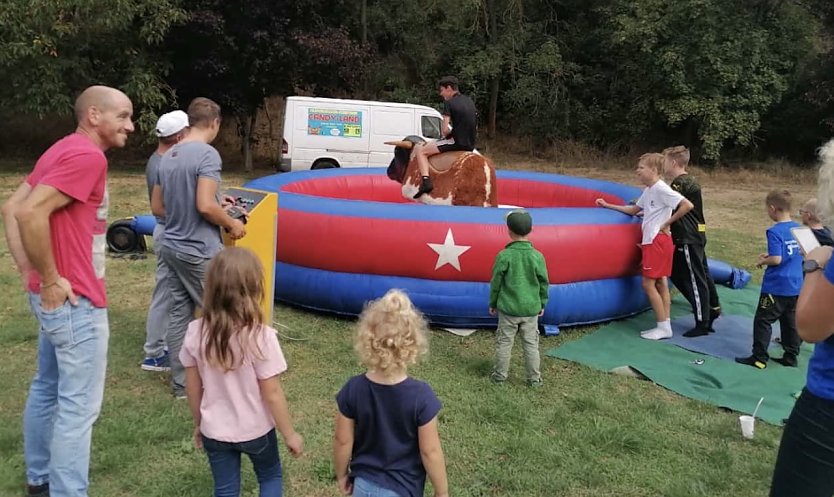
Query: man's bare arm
[(157, 203), (444, 127), (33, 221), (210, 209), (33, 218), (12, 228)]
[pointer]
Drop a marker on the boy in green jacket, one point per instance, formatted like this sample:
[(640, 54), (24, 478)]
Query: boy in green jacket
[(518, 292)]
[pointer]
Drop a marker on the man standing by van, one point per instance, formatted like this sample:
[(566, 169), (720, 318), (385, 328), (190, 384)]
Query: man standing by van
[(460, 110)]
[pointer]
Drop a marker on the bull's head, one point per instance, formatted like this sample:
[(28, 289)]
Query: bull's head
[(402, 156)]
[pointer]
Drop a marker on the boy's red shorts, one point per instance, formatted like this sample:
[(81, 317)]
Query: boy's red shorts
[(657, 257)]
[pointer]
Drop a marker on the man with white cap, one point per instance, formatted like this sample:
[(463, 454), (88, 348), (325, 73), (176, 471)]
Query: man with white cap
[(170, 129)]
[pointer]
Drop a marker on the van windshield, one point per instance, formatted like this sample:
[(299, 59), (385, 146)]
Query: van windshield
[(430, 127)]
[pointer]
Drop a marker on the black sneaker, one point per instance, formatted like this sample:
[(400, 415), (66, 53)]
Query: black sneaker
[(787, 360), (751, 361), (426, 186), (697, 331), (713, 315), (37, 490)]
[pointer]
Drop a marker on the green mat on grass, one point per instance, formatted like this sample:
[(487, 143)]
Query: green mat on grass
[(717, 381)]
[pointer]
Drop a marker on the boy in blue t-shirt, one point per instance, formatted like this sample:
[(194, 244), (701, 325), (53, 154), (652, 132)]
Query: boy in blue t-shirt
[(780, 286)]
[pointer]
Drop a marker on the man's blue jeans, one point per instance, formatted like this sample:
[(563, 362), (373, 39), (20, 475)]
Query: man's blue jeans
[(65, 396), (224, 458)]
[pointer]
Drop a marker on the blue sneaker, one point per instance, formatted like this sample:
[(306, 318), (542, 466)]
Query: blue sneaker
[(161, 363)]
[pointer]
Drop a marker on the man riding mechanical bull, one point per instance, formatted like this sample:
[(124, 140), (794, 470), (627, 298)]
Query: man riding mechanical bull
[(464, 177)]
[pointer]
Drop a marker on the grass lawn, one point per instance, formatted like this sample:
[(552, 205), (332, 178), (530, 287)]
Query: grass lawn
[(585, 433)]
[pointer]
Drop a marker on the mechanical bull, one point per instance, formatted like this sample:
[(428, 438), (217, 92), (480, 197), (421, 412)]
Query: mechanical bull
[(459, 178)]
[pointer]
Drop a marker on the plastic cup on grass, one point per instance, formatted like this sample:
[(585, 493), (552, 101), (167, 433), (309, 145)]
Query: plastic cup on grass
[(748, 426)]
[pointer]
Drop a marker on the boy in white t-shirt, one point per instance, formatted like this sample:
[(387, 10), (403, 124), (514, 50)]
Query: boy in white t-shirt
[(657, 203)]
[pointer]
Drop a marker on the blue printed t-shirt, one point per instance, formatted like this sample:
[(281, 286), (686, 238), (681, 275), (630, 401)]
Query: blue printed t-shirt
[(385, 445), (186, 230), (821, 366), (784, 280)]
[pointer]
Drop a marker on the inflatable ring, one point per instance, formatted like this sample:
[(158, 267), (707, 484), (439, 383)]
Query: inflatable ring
[(346, 236)]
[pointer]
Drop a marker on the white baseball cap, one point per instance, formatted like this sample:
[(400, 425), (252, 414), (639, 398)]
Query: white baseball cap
[(171, 123)]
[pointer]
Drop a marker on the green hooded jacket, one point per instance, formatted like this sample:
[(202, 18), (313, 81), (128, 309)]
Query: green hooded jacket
[(519, 280)]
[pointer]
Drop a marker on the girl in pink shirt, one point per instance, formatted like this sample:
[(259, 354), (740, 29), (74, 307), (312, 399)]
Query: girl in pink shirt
[(232, 362)]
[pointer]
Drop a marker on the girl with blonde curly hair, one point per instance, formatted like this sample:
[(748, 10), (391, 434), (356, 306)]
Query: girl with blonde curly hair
[(386, 438)]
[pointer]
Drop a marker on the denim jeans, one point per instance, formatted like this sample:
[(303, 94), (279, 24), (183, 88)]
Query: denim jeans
[(365, 488), (805, 464), (157, 321), (224, 459), (65, 396)]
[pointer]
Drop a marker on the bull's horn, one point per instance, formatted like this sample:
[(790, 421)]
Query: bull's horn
[(401, 143)]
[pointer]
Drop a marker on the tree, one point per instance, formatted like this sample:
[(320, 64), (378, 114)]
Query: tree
[(239, 53), (804, 119), (520, 63), (50, 50), (708, 67)]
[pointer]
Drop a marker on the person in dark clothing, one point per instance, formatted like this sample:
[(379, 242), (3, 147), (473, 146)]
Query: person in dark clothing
[(805, 464), (690, 273), (809, 213), (460, 111)]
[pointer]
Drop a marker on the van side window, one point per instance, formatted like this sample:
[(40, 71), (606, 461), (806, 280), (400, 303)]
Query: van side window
[(430, 126)]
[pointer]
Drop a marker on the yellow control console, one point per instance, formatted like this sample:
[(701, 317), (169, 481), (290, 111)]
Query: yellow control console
[(261, 233)]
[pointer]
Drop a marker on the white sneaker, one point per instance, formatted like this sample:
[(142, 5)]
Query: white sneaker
[(656, 334)]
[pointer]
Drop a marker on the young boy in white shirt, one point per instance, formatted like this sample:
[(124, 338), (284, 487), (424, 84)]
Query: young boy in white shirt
[(657, 203)]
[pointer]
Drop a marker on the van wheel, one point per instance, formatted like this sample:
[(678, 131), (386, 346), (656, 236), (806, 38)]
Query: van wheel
[(325, 164)]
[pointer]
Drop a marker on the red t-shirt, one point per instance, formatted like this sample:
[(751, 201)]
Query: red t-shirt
[(76, 167)]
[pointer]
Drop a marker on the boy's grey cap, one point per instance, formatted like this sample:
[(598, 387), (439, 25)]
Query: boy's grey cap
[(520, 222)]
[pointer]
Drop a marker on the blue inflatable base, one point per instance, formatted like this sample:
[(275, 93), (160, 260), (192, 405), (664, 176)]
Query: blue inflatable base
[(465, 304)]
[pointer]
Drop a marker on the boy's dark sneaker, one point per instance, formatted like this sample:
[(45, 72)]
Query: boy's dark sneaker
[(751, 361), (698, 331), (426, 186), (496, 380), (787, 360), (713, 315), (37, 490), (535, 384)]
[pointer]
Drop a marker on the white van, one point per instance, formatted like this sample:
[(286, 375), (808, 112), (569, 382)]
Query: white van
[(322, 133)]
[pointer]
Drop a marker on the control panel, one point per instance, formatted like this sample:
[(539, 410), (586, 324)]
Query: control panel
[(259, 210)]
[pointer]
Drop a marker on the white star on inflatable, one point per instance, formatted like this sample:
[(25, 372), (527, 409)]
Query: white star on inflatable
[(448, 252)]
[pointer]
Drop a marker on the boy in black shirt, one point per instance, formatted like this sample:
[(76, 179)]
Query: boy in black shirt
[(690, 273), (460, 110)]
